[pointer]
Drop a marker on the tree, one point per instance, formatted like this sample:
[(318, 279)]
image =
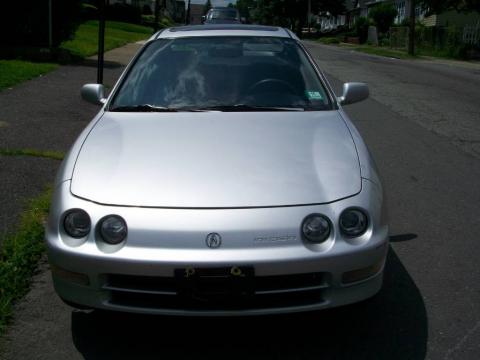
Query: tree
[(25, 23), (383, 15), (411, 33), (334, 7), (286, 13), (207, 6)]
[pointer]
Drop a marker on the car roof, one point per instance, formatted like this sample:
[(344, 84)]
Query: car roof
[(224, 30)]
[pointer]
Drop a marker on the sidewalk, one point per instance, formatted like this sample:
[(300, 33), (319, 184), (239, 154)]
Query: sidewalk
[(46, 113), (464, 64)]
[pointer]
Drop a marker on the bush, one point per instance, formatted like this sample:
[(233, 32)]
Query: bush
[(164, 22), (441, 41), (124, 13), (361, 27), (383, 15), (384, 41), (25, 23)]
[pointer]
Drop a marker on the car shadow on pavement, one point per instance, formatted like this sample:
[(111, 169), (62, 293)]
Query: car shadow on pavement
[(392, 325)]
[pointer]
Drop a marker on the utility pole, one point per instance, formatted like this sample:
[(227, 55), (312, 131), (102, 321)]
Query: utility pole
[(50, 25), (157, 15), (411, 32), (187, 18), (101, 40), (308, 14)]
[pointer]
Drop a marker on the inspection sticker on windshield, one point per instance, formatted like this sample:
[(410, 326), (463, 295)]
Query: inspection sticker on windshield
[(314, 95)]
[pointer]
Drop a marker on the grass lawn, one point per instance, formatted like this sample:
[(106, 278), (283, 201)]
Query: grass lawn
[(19, 256), (85, 42), (381, 51), (15, 71)]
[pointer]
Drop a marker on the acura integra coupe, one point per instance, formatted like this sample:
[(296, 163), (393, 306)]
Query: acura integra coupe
[(220, 177)]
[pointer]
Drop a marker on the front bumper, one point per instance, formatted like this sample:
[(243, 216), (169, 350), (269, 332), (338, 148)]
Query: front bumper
[(289, 274)]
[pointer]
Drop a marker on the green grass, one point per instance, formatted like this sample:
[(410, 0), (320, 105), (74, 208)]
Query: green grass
[(56, 155), (15, 71), (85, 42), (381, 51), (19, 256), (328, 40)]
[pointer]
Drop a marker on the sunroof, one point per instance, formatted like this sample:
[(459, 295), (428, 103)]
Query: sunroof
[(223, 27)]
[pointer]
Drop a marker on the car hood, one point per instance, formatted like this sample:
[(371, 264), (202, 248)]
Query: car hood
[(217, 160)]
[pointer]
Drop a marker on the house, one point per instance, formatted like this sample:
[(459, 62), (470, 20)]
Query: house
[(196, 13), (355, 9), (328, 22), (446, 18), (361, 8), (180, 11), (172, 8), (452, 18)]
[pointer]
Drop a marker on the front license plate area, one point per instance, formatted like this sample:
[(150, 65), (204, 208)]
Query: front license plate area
[(215, 285)]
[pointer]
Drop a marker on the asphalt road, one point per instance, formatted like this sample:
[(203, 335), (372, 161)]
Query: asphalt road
[(430, 303)]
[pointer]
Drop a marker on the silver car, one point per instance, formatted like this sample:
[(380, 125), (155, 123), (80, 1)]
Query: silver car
[(220, 177)]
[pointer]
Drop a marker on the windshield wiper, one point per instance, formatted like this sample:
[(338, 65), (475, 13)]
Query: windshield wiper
[(143, 108), (243, 107)]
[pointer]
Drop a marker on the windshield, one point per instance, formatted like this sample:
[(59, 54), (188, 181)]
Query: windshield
[(224, 74)]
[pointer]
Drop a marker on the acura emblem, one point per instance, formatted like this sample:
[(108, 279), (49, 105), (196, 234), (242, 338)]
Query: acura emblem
[(213, 240)]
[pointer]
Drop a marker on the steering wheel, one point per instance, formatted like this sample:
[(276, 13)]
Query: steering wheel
[(254, 88)]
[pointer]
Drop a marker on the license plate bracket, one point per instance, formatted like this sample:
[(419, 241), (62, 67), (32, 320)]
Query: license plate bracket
[(215, 284)]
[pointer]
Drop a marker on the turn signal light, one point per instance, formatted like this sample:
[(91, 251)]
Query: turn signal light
[(362, 274)]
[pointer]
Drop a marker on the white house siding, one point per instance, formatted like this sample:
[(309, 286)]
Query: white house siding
[(401, 6), (431, 20)]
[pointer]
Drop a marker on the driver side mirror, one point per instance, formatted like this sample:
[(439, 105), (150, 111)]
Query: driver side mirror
[(353, 93), (94, 94), (204, 18)]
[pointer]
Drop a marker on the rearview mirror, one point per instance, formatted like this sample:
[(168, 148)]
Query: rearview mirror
[(94, 94), (353, 93)]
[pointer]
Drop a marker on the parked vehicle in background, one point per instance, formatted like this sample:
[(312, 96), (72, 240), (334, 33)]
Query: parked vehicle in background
[(219, 15)]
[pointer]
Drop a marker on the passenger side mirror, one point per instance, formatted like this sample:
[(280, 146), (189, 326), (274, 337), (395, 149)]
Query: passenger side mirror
[(353, 93), (94, 94), (204, 18)]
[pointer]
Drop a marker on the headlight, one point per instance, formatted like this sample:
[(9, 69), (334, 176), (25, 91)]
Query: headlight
[(353, 222), (77, 223), (113, 229), (316, 228)]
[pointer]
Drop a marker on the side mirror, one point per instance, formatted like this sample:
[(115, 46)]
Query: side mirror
[(204, 18), (94, 94), (353, 93)]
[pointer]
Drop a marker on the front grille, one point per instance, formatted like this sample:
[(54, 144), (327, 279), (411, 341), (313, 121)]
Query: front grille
[(217, 292)]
